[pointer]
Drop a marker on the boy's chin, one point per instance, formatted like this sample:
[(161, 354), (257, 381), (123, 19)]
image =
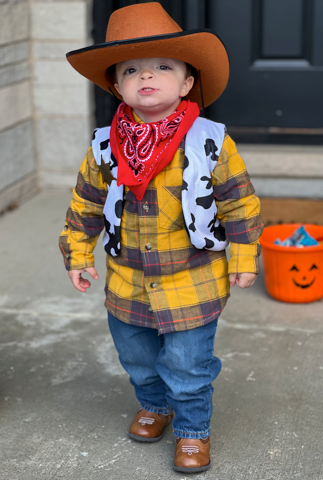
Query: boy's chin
[(156, 107), (154, 111), (148, 103)]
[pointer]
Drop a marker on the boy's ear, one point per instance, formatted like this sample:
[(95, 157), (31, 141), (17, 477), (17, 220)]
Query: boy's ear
[(187, 86), (116, 86)]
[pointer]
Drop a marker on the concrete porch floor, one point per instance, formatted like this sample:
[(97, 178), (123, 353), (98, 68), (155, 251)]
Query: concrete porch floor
[(65, 403)]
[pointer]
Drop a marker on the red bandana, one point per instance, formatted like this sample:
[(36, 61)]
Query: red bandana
[(143, 150)]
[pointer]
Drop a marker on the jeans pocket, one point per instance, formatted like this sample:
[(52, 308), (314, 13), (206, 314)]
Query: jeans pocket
[(170, 208)]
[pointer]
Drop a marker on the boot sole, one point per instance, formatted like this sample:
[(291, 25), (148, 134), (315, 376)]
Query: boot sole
[(191, 469), (138, 438)]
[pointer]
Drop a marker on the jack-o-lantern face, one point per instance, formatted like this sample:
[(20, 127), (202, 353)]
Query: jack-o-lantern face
[(304, 280)]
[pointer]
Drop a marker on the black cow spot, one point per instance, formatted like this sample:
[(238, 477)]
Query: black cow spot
[(205, 202), (114, 238), (119, 208), (218, 232), (184, 185), (208, 243), (208, 180), (186, 230), (93, 136), (107, 224), (192, 225), (211, 147), (186, 162), (104, 145), (212, 223), (114, 160)]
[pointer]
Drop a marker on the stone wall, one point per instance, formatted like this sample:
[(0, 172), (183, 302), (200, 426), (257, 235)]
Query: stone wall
[(17, 157), (63, 106), (46, 107)]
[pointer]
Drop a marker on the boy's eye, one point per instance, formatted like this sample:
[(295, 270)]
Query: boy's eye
[(129, 71), (164, 67)]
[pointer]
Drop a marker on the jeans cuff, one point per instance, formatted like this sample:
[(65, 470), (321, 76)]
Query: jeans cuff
[(194, 435), (160, 410)]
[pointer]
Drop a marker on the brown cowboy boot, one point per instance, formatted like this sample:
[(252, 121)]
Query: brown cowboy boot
[(192, 455), (148, 426)]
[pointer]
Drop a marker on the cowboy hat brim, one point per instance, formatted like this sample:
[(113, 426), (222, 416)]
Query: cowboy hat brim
[(200, 48)]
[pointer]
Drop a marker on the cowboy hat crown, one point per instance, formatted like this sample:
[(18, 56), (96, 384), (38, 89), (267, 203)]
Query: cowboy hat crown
[(146, 30), (142, 20)]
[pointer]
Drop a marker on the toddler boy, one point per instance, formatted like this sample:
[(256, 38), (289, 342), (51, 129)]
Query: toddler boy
[(171, 191)]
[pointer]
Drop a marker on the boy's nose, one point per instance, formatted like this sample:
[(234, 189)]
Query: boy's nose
[(146, 74)]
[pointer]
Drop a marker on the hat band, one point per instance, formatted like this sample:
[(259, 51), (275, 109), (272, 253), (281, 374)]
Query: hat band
[(118, 43)]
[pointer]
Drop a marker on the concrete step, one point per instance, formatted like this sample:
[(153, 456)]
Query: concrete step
[(289, 171)]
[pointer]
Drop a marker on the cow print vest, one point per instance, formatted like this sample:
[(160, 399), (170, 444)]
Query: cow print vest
[(203, 145)]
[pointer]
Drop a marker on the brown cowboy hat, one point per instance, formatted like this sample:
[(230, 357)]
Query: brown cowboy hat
[(145, 31)]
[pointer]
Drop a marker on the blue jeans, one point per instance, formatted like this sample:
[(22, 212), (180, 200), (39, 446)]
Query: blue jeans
[(173, 371)]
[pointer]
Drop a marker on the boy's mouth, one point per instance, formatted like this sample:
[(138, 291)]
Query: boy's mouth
[(147, 90)]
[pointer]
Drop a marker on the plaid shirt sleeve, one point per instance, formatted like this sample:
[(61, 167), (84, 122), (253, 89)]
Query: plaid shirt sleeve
[(84, 218), (238, 209)]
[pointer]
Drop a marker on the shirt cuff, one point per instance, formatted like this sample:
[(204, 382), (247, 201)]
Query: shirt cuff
[(77, 260), (244, 258)]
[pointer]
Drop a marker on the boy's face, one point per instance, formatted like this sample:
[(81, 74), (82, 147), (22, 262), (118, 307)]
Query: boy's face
[(153, 87)]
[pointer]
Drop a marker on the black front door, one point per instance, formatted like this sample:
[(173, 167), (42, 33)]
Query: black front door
[(276, 57)]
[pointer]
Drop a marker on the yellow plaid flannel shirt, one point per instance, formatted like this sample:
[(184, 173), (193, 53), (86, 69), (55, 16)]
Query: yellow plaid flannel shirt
[(160, 280)]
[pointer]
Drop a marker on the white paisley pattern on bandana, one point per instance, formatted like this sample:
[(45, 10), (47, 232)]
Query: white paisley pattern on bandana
[(145, 141)]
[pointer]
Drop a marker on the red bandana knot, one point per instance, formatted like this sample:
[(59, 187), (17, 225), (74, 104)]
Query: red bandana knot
[(144, 143)]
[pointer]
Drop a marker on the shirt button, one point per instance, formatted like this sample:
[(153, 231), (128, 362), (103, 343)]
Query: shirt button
[(65, 228), (148, 246), (153, 284), (68, 256), (150, 309), (146, 207)]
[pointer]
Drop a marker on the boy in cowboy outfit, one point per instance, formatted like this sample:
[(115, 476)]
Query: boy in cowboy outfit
[(171, 191)]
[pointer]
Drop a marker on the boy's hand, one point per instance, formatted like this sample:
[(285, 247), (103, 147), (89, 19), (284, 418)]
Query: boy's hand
[(78, 281), (243, 280)]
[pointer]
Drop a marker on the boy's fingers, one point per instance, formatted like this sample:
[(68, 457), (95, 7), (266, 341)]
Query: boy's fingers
[(246, 280), (77, 284), (242, 283), (84, 282), (232, 279), (243, 280), (92, 272), (80, 289), (78, 281)]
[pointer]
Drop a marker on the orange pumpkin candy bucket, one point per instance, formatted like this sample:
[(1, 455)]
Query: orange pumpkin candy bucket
[(292, 274)]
